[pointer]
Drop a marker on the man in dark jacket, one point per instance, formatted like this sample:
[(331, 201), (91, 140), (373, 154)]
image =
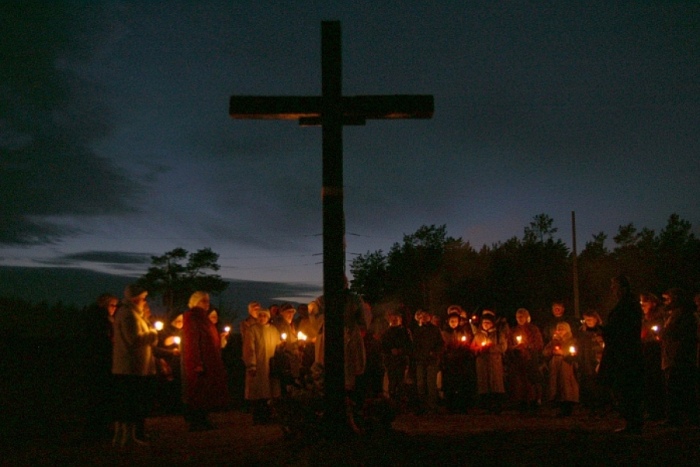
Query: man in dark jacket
[(621, 364), (427, 350)]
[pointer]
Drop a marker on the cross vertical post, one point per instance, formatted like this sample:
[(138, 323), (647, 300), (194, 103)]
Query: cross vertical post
[(332, 111), (333, 222)]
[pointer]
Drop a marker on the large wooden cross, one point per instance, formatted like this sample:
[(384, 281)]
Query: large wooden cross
[(332, 110)]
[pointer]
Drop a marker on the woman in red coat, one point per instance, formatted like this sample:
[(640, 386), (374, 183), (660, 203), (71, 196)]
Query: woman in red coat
[(204, 385)]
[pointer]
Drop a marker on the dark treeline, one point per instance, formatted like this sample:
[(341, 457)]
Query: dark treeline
[(431, 270)]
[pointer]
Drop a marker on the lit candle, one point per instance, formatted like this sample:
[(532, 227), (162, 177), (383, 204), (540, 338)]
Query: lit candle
[(572, 350), (484, 343), (464, 339), (227, 329), (284, 336), (158, 325), (176, 339), (655, 328), (301, 336), (519, 339)]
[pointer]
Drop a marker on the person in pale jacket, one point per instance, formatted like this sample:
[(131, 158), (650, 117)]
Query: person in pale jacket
[(133, 365), (258, 349)]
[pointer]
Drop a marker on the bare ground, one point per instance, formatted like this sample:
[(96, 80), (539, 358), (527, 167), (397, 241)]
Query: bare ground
[(474, 439)]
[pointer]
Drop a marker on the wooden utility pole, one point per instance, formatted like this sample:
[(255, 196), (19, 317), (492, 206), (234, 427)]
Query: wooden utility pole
[(577, 309), (332, 111)]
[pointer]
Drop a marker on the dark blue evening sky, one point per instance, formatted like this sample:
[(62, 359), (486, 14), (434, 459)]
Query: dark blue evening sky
[(115, 140)]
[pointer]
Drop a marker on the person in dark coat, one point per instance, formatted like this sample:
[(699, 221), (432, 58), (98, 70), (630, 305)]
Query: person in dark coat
[(98, 338), (654, 380), (524, 355), (203, 373), (593, 396), (457, 358), (621, 365), (427, 351), (396, 351), (559, 315), (167, 354), (679, 358)]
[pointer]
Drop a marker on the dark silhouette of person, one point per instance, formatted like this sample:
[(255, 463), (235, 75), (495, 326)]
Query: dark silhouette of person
[(621, 366)]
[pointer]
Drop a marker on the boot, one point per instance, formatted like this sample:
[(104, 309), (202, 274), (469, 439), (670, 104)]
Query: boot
[(130, 436), (119, 438)]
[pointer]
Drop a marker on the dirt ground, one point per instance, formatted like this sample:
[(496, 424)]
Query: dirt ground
[(474, 439)]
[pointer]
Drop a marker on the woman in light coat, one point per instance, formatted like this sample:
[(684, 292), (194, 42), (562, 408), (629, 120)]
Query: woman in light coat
[(258, 349), (133, 365)]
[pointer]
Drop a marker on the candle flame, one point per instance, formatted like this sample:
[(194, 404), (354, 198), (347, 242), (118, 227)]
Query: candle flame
[(301, 336), (227, 329), (519, 339), (284, 336), (176, 339), (158, 325), (572, 350), (655, 328), (464, 338)]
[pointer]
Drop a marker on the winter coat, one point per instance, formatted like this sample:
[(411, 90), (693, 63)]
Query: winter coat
[(563, 384), (258, 349), (490, 346), (679, 339), (621, 363), (201, 349), (134, 339), (427, 344), (524, 356)]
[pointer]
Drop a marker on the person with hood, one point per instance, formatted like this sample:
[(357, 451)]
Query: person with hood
[(204, 383)]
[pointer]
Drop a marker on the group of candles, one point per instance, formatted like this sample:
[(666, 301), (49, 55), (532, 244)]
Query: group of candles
[(300, 336)]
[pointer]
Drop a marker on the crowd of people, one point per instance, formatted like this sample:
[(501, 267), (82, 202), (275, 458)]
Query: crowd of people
[(643, 361)]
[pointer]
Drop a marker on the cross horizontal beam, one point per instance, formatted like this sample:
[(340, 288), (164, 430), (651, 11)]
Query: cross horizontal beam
[(307, 109)]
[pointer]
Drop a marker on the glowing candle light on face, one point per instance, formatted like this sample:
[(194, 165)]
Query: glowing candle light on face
[(158, 325)]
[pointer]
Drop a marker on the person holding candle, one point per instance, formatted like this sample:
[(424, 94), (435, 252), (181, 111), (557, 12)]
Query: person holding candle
[(654, 382), (524, 349), (133, 365), (590, 337), (490, 344), (204, 379), (288, 354), (562, 353), (258, 350), (167, 354), (457, 357)]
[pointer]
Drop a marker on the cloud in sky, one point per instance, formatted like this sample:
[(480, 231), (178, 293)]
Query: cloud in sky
[(114, 133), (48, 118)]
